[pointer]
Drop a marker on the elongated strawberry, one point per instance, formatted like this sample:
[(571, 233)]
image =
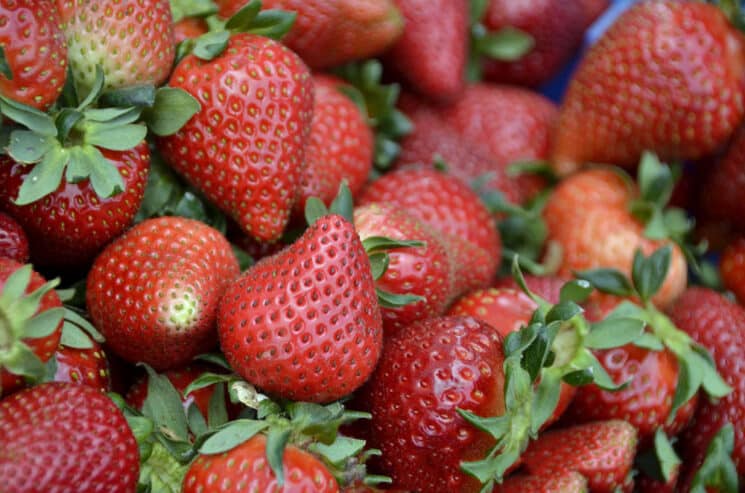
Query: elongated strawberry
[(66, 437), (153, 293), (245, 148), (646, 86), (33, 55), (30, 324), (304, 324), (603, 452), (13, 240)]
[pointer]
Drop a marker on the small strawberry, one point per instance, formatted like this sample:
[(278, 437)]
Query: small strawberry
[(304, 324), (645, 85), (33, 53), (153, 292), (189, 28), (566, 482), (66, 437), (547, 287), (732, 268), (13, 240), (131, 41), (603, 452), (30, 324), (82, 365)]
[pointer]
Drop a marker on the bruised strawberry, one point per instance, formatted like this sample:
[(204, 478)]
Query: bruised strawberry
[(13, 240), (87, 366)]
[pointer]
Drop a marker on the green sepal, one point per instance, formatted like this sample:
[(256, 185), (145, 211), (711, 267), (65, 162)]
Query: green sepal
[(163, 405), (375, 244), (95, 90), (114, 137), (217, 359), (718, 470), (273, 23), (276, 441), (661, 461), (29, 147), (4, 65), (161, 472), (181, 9), (206, 379), (73, 317), (43, 324), (31, 118), (609, 281), (378, 264), (581, 377), (195, 421), (74, 337), (614, 332), (545, 400), (112, 116), (172, 109), (508, 44), (66, 120), (88, 162), (600, 375), (649, 341), (140, 96), (210, 45), (712, 381), (217, 412), (392, 300), (244, 17), (577, 291), (340, 451), (315, 209), (648, 273), (232, 434), (343, 203), (563, 311), (22, 361)]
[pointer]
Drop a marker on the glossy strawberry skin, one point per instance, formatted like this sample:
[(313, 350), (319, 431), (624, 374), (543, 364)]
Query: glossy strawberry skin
[(35, 50), (340, 145), (72, 224), (43, 347), (83, 366), (66, 437), (603, 452), (666, 77), (732, 268), (719, 325), (153, 293), (246, 468), (567, 482), (245, 148), (304, 324), (13, 240), (189, 28), (427, 370), (720, 198), (547, 287)]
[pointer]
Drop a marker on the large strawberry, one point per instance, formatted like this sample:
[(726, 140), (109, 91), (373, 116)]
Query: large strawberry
[(245, 148), (153, 293), (132, 41), (33, 53), (66, 437), (304, 324), (13, 240), (30, 324), (667, 77)]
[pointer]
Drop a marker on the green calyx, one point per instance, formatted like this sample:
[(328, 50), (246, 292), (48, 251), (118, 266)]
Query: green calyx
[(181, 9), (5, 69), (659, 462), (19, 322), (555, 346), (718, 471)]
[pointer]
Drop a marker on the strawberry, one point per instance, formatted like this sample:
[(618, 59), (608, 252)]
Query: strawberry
[(131, 41), (453, 210), (547, 287), (87, 366), (13, 240), (30, 324), (304, 324), (332, 32), (556, 28), (340, 145), (189, 28), (566, 482), (66, 437), (70, 225), (422, 271), (33, 55), (603, 452), (732, 268), (718, 325), (245, 148), (593, 9), (153, 292), (719, 200), (632, 92), (431, 53)]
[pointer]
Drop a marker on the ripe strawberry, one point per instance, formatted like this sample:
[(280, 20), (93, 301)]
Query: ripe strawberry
[(718, 325), (304, 324), (131, 41), (547, 287), (732, 268), (153, 292), (66, 437), (245, 148), (189, 28), (340, 145), (431, 53), (603, 452), (13, 240), (35, 52), (71, 224), (422, 271), (452, 209), (566, 482), (87, 366), (632, 92), (556, 28), (593, 9), (30, 324), (246, 468), (720, 199), (427, 370)]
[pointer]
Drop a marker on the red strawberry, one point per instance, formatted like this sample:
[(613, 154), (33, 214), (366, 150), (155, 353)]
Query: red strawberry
[(720, 197), (246, 468), (245, 148), (31, 316), (35, 52), (666, 77), (732, 268), (153, 292), (189, 28), (718, 325), (421, 271), (646, 484), (427, 370), (547, 287), (71, 224), (431, 53), (603, 452), (340, 146), (87, 366), (131, 41), (593, 9), (556, 28), (304, 324), (452, 209), (566, 482), (13, 240), (66, 437)]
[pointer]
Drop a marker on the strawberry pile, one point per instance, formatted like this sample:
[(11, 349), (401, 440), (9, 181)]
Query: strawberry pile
[(350, 246)]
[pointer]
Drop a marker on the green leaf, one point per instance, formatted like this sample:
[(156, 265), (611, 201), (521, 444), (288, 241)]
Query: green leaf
[(231, 435), (340, 451), (579, 377), (392, 300), (477, 9), (655, 179), (343, 204), (104, 176), (43, 324), (666, 455), (242, 20), (4, 65), (614, 332), (113, 116), (16, 285), (25, 363), (496, 426), (140, 96), (196, 421), (217, 359), (163, 405), (29, 147), (545, 400), (273, 23), (508, 44), (207, 379), (609, 281), (74, 337), (276, 440), (192, 8), (563, 311), (601, 377), (649, 341), (314, 210), (379, 264), (95, 90), (65, 121), (690, 374), (577, 291), (217, 412), (83, 323), (172, 109), (45, 177), (114, 137), (79, 165), (711, 380), (534, 356), (516, 342), (31, 118), (374, 244), (210, 45), (649, 273), (718, 471)]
